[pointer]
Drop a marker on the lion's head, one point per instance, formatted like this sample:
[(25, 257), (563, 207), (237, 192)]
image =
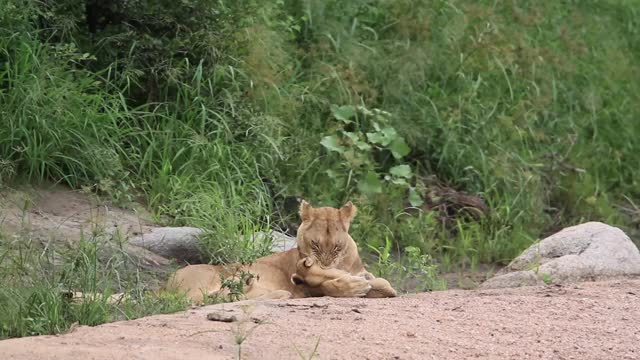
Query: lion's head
[(323, 236)]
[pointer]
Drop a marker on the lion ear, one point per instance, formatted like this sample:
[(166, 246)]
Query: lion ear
[(305, 211), (347, 213)]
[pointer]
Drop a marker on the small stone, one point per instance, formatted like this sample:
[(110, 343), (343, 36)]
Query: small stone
[(218, 316)]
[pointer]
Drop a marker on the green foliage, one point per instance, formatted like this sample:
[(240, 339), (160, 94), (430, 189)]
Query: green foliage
[(235, 285), (38, 283), (525, 105), (68, 117), (357, 141), (412, 272), (539, 123)]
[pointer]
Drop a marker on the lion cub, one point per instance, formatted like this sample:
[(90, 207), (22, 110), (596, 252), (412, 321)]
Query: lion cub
[(325, 263)]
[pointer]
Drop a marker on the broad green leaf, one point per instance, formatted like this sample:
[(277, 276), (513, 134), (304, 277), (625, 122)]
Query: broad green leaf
[(401, 171), (355, 159), (343, 113), (414, 197), (370, 184), (363, 145), (356, 138), (399, 148), (390, 133), (399, 181), (375, 137), (383, 137), (332, 143), (351, 135)]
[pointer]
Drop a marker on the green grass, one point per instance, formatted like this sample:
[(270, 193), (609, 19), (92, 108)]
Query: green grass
[(65, 123), (528, 105), (520, 105), (37, 283)]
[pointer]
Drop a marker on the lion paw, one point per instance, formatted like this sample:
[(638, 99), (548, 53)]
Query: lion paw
[(353, 286)]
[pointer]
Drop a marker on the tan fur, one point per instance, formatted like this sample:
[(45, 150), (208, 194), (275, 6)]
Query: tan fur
[(270, 279), (329, 262), (326, 262)]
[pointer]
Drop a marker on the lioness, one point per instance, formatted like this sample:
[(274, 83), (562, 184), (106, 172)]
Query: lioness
[(325, 263)]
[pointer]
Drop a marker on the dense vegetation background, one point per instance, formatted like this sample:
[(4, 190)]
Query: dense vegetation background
[(462, 129)]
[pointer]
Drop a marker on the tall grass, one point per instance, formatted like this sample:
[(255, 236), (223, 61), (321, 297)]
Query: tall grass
[(38, 285), (528, 105), (521, 103), (188, 158)]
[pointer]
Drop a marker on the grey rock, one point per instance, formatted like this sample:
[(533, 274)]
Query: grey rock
[(567, 269), (183, 243), (279, 241), (590, 251), (179, 243), (513, 279), (222, 317)]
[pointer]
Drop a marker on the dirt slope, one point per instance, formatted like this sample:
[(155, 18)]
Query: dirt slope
[(585, 321), (55, 212)]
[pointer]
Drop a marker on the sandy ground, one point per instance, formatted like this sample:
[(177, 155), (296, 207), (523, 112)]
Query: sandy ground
[(584, 321)]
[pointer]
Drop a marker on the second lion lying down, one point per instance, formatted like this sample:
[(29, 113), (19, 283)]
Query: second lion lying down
[(325, 263)]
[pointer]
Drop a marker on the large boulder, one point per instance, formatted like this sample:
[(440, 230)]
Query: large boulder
[(179, 243), (279, 242), (55, 214), (183, 243), (590, 251)]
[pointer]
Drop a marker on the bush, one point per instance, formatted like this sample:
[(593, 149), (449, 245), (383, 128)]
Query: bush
[(502, 122)]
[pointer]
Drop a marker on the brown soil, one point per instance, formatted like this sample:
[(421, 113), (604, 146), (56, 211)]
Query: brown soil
[(586, 321)]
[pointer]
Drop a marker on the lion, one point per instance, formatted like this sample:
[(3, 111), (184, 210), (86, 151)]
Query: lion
[(325, 263)]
